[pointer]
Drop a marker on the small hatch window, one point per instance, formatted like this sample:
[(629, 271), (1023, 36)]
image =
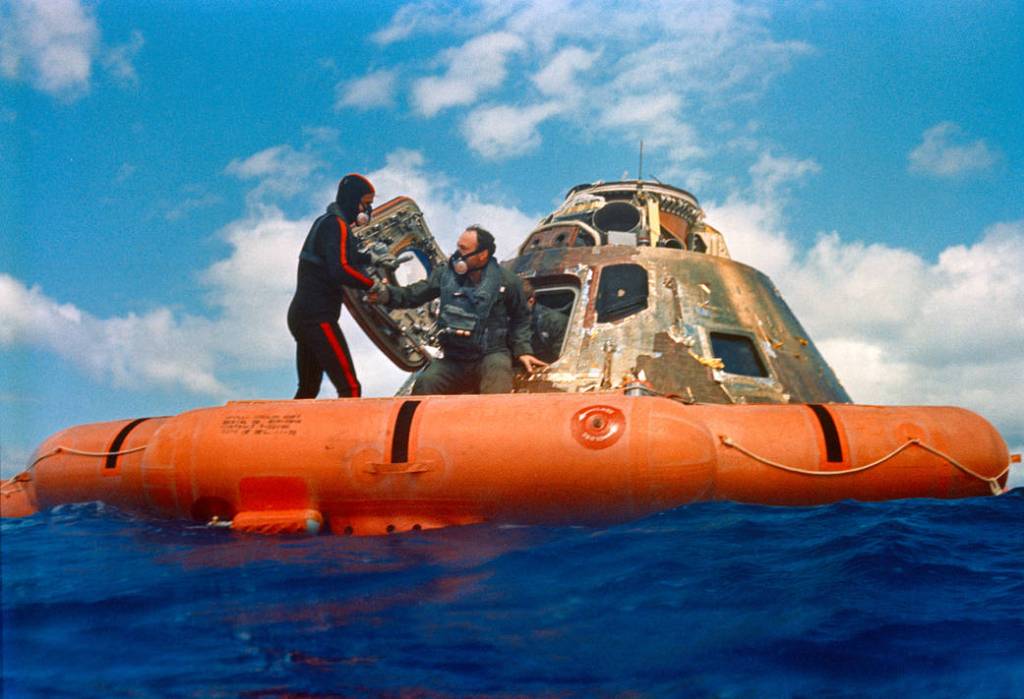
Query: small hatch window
[(621, 293), (414, 266), (738, 354)]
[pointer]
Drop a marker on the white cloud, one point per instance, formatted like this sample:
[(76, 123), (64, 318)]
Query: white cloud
[(118, 59), (375, 89), (248, 292), (278, 161), (645, 81), (448, 209), (897, 328), (558, 77), (646, 110), (50, 43), (770, 173), (499, 131), (503, 131), (253, 286), (753, 232), (279, 169), (726, 54), (53, 44), (753, 224), (415, 18), (943, 153), (131, 351), (654, 119), (475, 67)]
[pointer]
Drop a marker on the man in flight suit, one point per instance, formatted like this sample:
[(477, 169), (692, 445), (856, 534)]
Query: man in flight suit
[(484, 320), (547, 326), (330, 260)]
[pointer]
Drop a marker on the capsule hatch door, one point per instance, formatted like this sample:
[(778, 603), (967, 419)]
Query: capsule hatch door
[(404, 252)]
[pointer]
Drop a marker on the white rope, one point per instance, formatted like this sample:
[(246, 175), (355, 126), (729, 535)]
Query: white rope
[(992, 482), (24, 475)]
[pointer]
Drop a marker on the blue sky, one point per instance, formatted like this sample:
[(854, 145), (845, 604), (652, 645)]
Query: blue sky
[(161, 162)]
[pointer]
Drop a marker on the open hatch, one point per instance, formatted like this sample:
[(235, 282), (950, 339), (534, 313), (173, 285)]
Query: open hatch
[(404, 252)]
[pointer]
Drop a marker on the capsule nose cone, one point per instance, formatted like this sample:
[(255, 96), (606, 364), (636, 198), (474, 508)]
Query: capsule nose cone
[(17, 498)]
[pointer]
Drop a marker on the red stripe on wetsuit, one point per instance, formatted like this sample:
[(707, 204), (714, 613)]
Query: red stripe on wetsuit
[(350, 375), (352, 271)]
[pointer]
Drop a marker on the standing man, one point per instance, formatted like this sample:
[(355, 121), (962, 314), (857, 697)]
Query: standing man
[(330, 260), (484, 320)]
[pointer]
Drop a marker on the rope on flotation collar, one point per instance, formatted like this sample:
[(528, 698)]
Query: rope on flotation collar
[(993, 482), (24, 475)]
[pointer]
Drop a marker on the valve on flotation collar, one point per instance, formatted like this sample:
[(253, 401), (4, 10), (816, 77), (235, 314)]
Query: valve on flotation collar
[(598, 427)]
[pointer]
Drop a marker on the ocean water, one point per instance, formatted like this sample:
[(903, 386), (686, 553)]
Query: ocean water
[(905, 598)]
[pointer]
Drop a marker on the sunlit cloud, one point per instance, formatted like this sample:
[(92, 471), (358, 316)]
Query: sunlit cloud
[(50, 44), (375, 89), (559, 78), (616, 70), (279, 169), (132, 351), (502, 131), (896, 327), (447, 208), (247, 292), (771, 173), (53, 46), (472, 69), (944, 152)]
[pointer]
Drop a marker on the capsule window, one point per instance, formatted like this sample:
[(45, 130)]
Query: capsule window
[(415, 266), (738, 354), (621, 292)]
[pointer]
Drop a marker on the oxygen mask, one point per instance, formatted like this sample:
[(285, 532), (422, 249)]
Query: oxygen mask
[(460, 262), (364, 216)]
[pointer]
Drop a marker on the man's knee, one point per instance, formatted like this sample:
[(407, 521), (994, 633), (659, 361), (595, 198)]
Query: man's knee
[(432, 380), (496, 373)]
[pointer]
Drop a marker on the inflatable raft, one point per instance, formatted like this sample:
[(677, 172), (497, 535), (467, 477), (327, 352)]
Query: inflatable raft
[(680, 376), (376, 466)]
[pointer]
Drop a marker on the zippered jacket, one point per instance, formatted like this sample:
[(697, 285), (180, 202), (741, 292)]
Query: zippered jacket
[(329, 261), (475, 319)]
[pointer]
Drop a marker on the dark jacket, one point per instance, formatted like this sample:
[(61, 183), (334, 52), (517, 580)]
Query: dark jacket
[(547, 328), (330, 260), (497, 305)]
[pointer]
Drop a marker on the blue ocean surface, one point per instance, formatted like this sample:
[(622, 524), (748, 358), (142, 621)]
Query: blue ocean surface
[(904, 598)]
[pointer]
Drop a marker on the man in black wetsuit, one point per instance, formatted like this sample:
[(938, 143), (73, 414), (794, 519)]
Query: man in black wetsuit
[(483, 315), (330, 260)]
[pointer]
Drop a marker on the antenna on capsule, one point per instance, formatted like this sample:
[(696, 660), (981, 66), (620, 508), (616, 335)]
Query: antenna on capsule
[(640, 170)]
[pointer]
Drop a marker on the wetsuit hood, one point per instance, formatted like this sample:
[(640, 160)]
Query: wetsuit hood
[(351, 189)]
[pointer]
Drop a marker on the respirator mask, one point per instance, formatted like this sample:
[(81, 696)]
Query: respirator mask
[(458, 261), (364, 216)]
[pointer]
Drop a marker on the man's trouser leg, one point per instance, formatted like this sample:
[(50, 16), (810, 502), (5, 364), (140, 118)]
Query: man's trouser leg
[(325, 342), (496, 373), (309, 370), (443, 376)]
